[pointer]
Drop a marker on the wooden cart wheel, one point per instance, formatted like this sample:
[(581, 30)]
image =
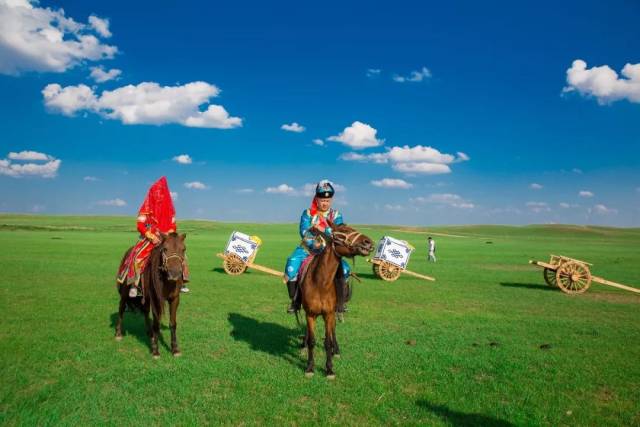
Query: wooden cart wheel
[(550, 277), (234, 265), (573, 277), (388, 272)]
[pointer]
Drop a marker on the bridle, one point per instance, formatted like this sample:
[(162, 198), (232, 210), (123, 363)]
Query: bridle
[(166, 258), (347, 240)]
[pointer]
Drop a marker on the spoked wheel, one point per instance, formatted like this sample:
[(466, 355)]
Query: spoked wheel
[(234, 265), (550, 277), (386, 271), (573, 277)]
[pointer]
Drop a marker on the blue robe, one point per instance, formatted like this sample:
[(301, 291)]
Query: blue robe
[(307, 245)]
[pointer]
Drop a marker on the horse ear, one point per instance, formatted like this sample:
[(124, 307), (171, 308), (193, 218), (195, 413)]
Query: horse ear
[(331, 224), (163, 236), (183, 236)]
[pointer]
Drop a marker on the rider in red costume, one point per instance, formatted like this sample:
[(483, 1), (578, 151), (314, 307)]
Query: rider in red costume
[(156, 216)]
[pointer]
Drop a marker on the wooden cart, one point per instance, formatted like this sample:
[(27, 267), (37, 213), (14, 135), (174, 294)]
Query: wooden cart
[(234, 265), (389, 272), (573, 276)]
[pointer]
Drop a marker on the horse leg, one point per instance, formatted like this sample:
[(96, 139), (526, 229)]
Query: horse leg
[(120, 316), (311, 342), (329, 326), (336, 348), (173, 307), (155, 332)]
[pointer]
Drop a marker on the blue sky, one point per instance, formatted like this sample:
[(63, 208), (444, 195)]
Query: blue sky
[(457, 113)]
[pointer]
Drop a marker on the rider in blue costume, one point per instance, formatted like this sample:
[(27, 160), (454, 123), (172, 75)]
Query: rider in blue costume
[(316, 217)]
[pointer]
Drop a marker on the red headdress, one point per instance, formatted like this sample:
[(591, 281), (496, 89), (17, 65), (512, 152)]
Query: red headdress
[(158, 206)]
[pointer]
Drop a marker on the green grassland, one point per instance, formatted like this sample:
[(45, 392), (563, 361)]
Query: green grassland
[(465, 350)]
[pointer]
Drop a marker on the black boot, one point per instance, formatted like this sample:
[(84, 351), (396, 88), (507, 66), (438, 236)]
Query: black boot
[(342, 294), (294, 294)]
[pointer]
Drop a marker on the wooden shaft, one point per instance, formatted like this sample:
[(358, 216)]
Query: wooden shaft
[(265, 269), (614, 284), (420, 276), (544, 264)]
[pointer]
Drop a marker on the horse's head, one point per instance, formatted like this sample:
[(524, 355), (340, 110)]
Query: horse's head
[(347, 241), (173, 253)]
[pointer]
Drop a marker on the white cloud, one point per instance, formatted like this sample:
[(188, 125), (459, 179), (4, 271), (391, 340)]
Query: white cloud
[(29, 155), (392, 183), (99, 75), (412, 160), (112, 202), (448, 199), (565, 205), (293, 127), (16, 167), (100, 25), (576, 170), (319, 142), (174, 195), (373, 72), (42, 39), (421, 153), (357, 136), (585, 193), (602, 210), (538, 207), (145, 103), (195, 185), (422, 168), (394, 208), (373, 157), (245, 191), (603, 83), (535, 186), (414, 76), (183, 159), (281, 189), (90, 179)]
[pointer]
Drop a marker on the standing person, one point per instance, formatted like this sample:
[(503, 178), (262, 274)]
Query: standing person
[(156, 216), (431, 246), (315, 218)]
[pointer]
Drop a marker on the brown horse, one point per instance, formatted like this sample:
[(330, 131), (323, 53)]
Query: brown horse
[(319, 296), (161, 281)]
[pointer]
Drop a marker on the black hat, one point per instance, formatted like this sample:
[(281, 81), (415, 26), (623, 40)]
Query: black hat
[(324, 189)]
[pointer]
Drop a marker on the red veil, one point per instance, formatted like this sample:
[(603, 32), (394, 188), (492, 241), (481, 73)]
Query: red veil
[(158, 206)]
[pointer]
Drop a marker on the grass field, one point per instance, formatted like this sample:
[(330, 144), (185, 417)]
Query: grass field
[(465, 350)]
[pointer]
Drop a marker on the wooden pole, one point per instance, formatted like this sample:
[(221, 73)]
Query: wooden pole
[(265, 269), (420, 276), (614, 284)]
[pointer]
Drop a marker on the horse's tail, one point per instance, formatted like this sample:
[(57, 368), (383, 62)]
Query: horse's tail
[(154, 283)]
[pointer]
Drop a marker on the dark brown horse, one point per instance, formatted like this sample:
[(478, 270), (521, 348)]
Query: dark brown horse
[(319, 295), (161, 282)]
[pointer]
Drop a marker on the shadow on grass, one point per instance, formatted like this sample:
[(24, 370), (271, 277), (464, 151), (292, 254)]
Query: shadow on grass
[(456, 418), (529, 286), (368, 276), (268, 337), (133, 324)]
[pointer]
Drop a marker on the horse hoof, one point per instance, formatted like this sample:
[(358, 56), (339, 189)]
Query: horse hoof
[(118, 337), (156, 356), (336, 356), (308, 374), (331, 376), (177, 354)]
